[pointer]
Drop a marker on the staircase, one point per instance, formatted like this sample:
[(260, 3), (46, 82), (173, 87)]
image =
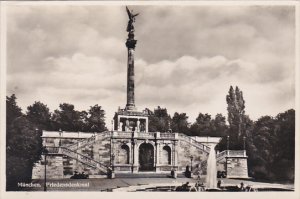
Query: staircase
[(221, 156), (230, 153), (88, 141), (193, 142), (79, 157)]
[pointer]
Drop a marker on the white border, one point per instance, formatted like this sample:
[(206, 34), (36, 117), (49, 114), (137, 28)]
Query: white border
[(272, 195), (2, 95)]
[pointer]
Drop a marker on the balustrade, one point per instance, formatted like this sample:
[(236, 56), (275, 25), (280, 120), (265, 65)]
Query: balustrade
[(146, 135), (194, 142), (77, 156), (167, 135)]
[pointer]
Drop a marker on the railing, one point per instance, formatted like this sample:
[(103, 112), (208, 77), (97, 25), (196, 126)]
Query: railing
[(122, 134), (146, 135), (52, 150), (194, 142), (221, 155), (81, 143), (128, 134), (237, 153), (81, 158), (231, 153), (132, 113), (89, 140), (167, 135)]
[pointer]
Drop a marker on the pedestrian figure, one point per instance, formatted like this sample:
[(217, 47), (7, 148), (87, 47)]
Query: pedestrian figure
[(198, 177), (242, 187), (219, 184)]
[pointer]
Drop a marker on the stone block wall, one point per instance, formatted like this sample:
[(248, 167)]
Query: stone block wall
[(237, 167), (99, 151), (184, 151), (54, 168), (221, 166), (59, 166)]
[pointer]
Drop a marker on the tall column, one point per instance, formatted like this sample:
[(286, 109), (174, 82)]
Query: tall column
[(135, 157), (157, 162), (175, 154), (138, 125), (146, 125), (130, 44)]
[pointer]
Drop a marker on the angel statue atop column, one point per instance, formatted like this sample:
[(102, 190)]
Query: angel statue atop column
[(131, 16)]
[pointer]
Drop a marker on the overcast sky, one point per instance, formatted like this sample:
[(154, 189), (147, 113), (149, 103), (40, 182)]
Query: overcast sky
[(186, 57)]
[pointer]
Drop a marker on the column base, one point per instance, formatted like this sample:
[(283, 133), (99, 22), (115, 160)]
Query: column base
[(111, 175), (130, 107), (135, 169)]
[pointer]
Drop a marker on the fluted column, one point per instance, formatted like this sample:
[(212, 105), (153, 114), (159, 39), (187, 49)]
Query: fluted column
[(130, 44)]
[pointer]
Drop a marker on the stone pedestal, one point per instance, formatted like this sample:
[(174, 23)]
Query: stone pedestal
[(237, 167)]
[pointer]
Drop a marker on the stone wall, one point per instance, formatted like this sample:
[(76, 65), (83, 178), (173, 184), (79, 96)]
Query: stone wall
[(184, 151), (168, 152), (99, 151), (59, 166), (237, 167), (221, 166), (54, 168)]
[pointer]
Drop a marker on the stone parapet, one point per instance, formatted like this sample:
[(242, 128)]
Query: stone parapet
[(237, 167)]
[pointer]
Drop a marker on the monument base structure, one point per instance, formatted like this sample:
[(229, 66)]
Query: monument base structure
[(113, 152), (129, 147)]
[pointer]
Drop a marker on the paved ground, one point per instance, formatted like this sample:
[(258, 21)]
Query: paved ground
[(129, 183)]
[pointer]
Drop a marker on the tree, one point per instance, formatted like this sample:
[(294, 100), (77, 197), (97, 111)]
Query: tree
[(207, 126), (219, 127), (67, 118), (236, 115), (284, 150), (96, 119), (202, 126), (12, 109), (159, 120), (261, 156), (180, 123), (23, 145), (39, 115), (271, 147)]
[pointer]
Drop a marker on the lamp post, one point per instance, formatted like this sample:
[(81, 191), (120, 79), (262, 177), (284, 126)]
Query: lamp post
[(45, 152), (227, 144), (112, 162), (226, 157), (60, 132), (244, 140), (191, 162)]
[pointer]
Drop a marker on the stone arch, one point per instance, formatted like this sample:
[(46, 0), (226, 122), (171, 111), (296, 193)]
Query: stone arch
[(124, 154), (139, 143), (146, 157), (166, 155)]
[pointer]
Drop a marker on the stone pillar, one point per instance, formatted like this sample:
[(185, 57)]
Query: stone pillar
[(127, 125), (146, 125), (138, 125), (130, 44), (120, 126), (118, 123), (175, 154), (157, 162), (135, 158)]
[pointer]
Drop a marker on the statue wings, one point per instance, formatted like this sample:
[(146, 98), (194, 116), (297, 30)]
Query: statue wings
[(130, 14)]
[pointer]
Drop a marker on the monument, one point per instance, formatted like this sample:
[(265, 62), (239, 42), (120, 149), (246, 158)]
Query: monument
[(129, 147), (129, 119)]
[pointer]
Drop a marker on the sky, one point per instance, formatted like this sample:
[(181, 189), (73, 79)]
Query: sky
[(186, 57)]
